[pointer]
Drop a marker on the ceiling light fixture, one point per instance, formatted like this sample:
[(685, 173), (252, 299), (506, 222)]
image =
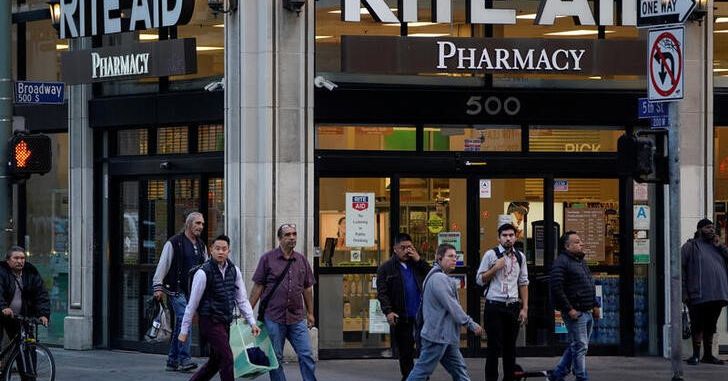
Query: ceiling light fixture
[(577, 32)]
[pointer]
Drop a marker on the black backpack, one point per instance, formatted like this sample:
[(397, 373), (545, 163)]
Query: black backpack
[(498, 255), (420, 318)]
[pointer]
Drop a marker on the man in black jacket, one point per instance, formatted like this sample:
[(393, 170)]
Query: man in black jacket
[(21, 291), (399, 287), (574, 294)]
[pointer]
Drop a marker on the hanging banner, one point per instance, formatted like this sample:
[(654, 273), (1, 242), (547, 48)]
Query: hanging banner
[(360, 219)]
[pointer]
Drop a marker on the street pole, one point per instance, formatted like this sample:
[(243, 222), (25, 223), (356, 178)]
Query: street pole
[(6, 119), (675, 263)]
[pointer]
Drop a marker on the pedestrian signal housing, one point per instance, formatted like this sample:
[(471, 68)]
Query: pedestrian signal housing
[(29, 154)]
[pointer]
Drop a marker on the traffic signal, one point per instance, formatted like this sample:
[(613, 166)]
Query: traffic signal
[(29, 154), (636, 157)]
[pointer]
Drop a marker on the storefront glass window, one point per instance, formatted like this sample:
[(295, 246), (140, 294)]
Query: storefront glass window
[(47, 235), (371, 137), (209, 31), (565, 139), (172, 140), (472, 138), (44, 51), (210, 138), (132, 142), (720, 44)]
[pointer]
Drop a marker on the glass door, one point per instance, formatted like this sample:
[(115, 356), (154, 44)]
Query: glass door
[(149, 211)]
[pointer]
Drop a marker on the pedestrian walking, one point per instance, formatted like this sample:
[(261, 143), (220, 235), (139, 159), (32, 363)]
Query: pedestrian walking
[(504, 274), (574, 294), (443, 316), (284, 285), (704, 288), (179, 254), (217, 287), (399, 289)]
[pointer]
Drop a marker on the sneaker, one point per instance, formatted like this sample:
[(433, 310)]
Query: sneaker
[(712, 360), (693, 360), (187, 367), (171, 368)]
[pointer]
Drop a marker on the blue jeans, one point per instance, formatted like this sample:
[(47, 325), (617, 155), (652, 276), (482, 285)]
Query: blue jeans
[(297, 335), (432, 353), (574, 358), (179, 353)]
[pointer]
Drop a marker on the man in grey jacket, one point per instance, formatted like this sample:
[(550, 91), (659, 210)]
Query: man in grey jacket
[(704, 287), (443, 317)]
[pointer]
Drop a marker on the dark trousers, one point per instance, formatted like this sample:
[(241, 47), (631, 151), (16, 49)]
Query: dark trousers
[(221, 357), (703, 320), (501, 325), (403, 344)]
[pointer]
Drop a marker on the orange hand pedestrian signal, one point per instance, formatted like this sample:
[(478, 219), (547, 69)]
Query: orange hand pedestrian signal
[(29, 154), (22, 154)]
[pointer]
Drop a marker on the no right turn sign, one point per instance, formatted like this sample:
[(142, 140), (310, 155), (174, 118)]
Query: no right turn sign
[(665, 61)]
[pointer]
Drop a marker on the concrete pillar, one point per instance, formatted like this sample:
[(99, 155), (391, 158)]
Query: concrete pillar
[(696, 133), (78, 325), (268, 127)]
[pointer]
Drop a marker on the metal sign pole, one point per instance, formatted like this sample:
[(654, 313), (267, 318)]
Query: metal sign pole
[(6, 119), (675, 263)]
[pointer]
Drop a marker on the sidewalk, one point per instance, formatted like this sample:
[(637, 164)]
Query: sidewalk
[(106, 365)]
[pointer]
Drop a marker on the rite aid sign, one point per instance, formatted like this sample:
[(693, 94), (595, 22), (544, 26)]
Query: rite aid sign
[(665, 62)]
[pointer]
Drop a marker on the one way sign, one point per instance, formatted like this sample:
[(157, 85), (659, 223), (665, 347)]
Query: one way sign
[(660, 12)]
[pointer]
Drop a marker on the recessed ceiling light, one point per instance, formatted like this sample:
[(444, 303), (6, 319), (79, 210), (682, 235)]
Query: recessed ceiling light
[(148, 37), (209, 48), (719, 70), (412, 24), (218, 26), (721, 20), (61, 46), (595, 77), (721, 31), (577, 32), (362, 11), (532, 16), (323, 37), (427, 34)]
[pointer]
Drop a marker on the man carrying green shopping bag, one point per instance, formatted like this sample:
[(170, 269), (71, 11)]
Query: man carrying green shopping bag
[(216, 290)]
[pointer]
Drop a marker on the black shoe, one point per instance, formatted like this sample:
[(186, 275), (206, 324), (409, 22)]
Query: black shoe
[(712, 360), (190, 366), (171, 368), (693, 360)]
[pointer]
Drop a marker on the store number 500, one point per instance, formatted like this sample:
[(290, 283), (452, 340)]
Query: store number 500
[(492, 105)]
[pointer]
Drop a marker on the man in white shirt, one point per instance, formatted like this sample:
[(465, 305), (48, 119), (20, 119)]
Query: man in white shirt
[(503, 272), (215, 291)]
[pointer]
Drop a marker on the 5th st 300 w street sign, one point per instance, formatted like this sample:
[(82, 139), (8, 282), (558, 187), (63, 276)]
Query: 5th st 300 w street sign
[(662, 12)]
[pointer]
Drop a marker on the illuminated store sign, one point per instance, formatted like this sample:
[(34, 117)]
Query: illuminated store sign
[(416, 55), (83, 18), (151, 59), (477, 13)]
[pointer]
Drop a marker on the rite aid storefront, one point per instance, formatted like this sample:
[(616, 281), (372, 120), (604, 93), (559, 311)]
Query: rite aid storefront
[(454, 124)]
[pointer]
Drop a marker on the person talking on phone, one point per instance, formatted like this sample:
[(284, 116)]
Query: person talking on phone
[(503, 273), (399, 290)]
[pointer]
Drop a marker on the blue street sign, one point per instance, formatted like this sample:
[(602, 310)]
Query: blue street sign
[(27, 92), (660, 122), (647, 109)]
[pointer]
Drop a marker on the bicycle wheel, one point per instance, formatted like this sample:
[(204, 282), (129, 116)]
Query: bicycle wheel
[(38, 365)]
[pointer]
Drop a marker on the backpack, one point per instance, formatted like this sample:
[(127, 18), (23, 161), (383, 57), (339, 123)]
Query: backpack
[(498, 255), (420, 318)]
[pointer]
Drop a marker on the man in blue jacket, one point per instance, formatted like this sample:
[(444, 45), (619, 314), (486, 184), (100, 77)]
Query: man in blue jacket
[(443, 317), (574, 294)]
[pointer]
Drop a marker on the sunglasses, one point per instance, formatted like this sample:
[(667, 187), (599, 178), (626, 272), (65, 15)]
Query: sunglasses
[(291, 226)]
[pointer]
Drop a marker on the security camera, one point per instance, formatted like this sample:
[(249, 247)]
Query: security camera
[(165, 165), (320, 82), (213, 86)]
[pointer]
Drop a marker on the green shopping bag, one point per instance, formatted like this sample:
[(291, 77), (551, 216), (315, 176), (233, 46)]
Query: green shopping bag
[(240, 340)]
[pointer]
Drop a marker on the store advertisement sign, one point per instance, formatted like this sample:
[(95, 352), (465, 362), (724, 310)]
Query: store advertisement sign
[(561, 185), (412, 55), (150, 59), (641, 218), (485, 189), (27, 92), (360, 219), (452, 238), (377, 321), (665, 62), (640, 191), (641, 249), (96, 17)]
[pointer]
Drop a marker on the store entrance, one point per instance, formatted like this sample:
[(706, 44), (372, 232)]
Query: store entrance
[(466, 211), (148, 210)]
